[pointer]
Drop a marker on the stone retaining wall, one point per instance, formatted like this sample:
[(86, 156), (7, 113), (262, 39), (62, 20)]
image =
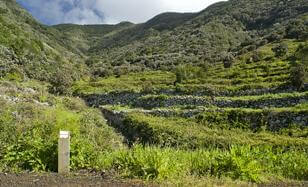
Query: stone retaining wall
[(149, 102), (271, 119), (155, 102), (127, 98)]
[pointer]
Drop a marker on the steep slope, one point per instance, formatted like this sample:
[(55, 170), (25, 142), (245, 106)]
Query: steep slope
[(218, 33), (85, 36), (168, 20), (32, 50), (221, 30), (216, 95)]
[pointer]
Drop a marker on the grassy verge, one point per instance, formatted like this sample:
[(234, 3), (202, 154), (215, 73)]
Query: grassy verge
[(246, 163), (29, 130)]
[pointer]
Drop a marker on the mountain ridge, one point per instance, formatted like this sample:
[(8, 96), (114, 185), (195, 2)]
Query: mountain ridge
[(184, 99), (221, 31)]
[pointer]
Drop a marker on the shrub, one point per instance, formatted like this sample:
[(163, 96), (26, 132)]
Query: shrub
[(187, 72), (297, 29), (205, 66), (280, 50), (180, 75), (61, 83), (103, 72), (92, 61), (119, 71), (256, 57), (29, 133), (275, 36), (298, 73), (29, 153), (147, 88), (3, 10), (15, 74), (228, 61)]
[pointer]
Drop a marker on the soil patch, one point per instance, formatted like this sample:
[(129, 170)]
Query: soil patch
[(55, 180)]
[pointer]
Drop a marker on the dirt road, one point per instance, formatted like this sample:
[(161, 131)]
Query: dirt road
[(55, 180)]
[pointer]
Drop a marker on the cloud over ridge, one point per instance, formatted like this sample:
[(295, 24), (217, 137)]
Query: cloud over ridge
[(106, 11)]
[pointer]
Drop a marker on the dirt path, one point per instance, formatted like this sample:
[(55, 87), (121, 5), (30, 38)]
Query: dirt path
[(96, 180), (55, 180)]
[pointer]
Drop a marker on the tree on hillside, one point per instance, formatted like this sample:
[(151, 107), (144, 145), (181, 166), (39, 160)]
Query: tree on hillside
[(61, 82), (187, 72), (299, 71), (280, 50), (297, 28), (228, 60)]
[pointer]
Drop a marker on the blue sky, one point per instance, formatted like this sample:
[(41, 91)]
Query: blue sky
[(107, 11)]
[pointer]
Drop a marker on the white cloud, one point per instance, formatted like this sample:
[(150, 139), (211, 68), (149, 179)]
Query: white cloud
[(187, 5), (107, 11), (64, 11)]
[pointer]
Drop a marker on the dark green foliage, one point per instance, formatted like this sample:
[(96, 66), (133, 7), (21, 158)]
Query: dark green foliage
[(256, 57), (202, 54), (298, 75), (103, 72), (162, 43), (188, 72), (168, 21), (299, 71), (227, 25), (3, 10), (31, 154), (231, 119), (228, 60), (280, 50), (180, 76), (302, 53), (173, 39), (297, 28), (35, 50), (275, 36), (61, 82), (29, 132)]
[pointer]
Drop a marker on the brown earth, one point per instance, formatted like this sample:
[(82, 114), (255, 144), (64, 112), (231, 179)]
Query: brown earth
[(55, 180), (99, 180)]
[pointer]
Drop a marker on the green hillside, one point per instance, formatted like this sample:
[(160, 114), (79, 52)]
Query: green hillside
[(190, 99), (221, 30), (85, 36), (30, 50)]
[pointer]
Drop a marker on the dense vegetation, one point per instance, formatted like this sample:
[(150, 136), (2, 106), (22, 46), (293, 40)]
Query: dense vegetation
[(31, 119), (216, 34), (203, 97)]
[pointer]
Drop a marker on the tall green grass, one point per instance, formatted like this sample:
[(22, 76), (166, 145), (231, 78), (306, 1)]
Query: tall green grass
[(29, 134), (246, 163)]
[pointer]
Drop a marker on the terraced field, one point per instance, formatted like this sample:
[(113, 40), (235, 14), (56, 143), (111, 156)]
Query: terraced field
[(249, 104), (246, 123), (218, 97), (258, 87)]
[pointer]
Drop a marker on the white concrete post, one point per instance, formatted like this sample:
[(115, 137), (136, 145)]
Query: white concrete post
[(64, 152)]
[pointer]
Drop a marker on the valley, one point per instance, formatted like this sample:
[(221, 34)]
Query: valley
[(214, 98)]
